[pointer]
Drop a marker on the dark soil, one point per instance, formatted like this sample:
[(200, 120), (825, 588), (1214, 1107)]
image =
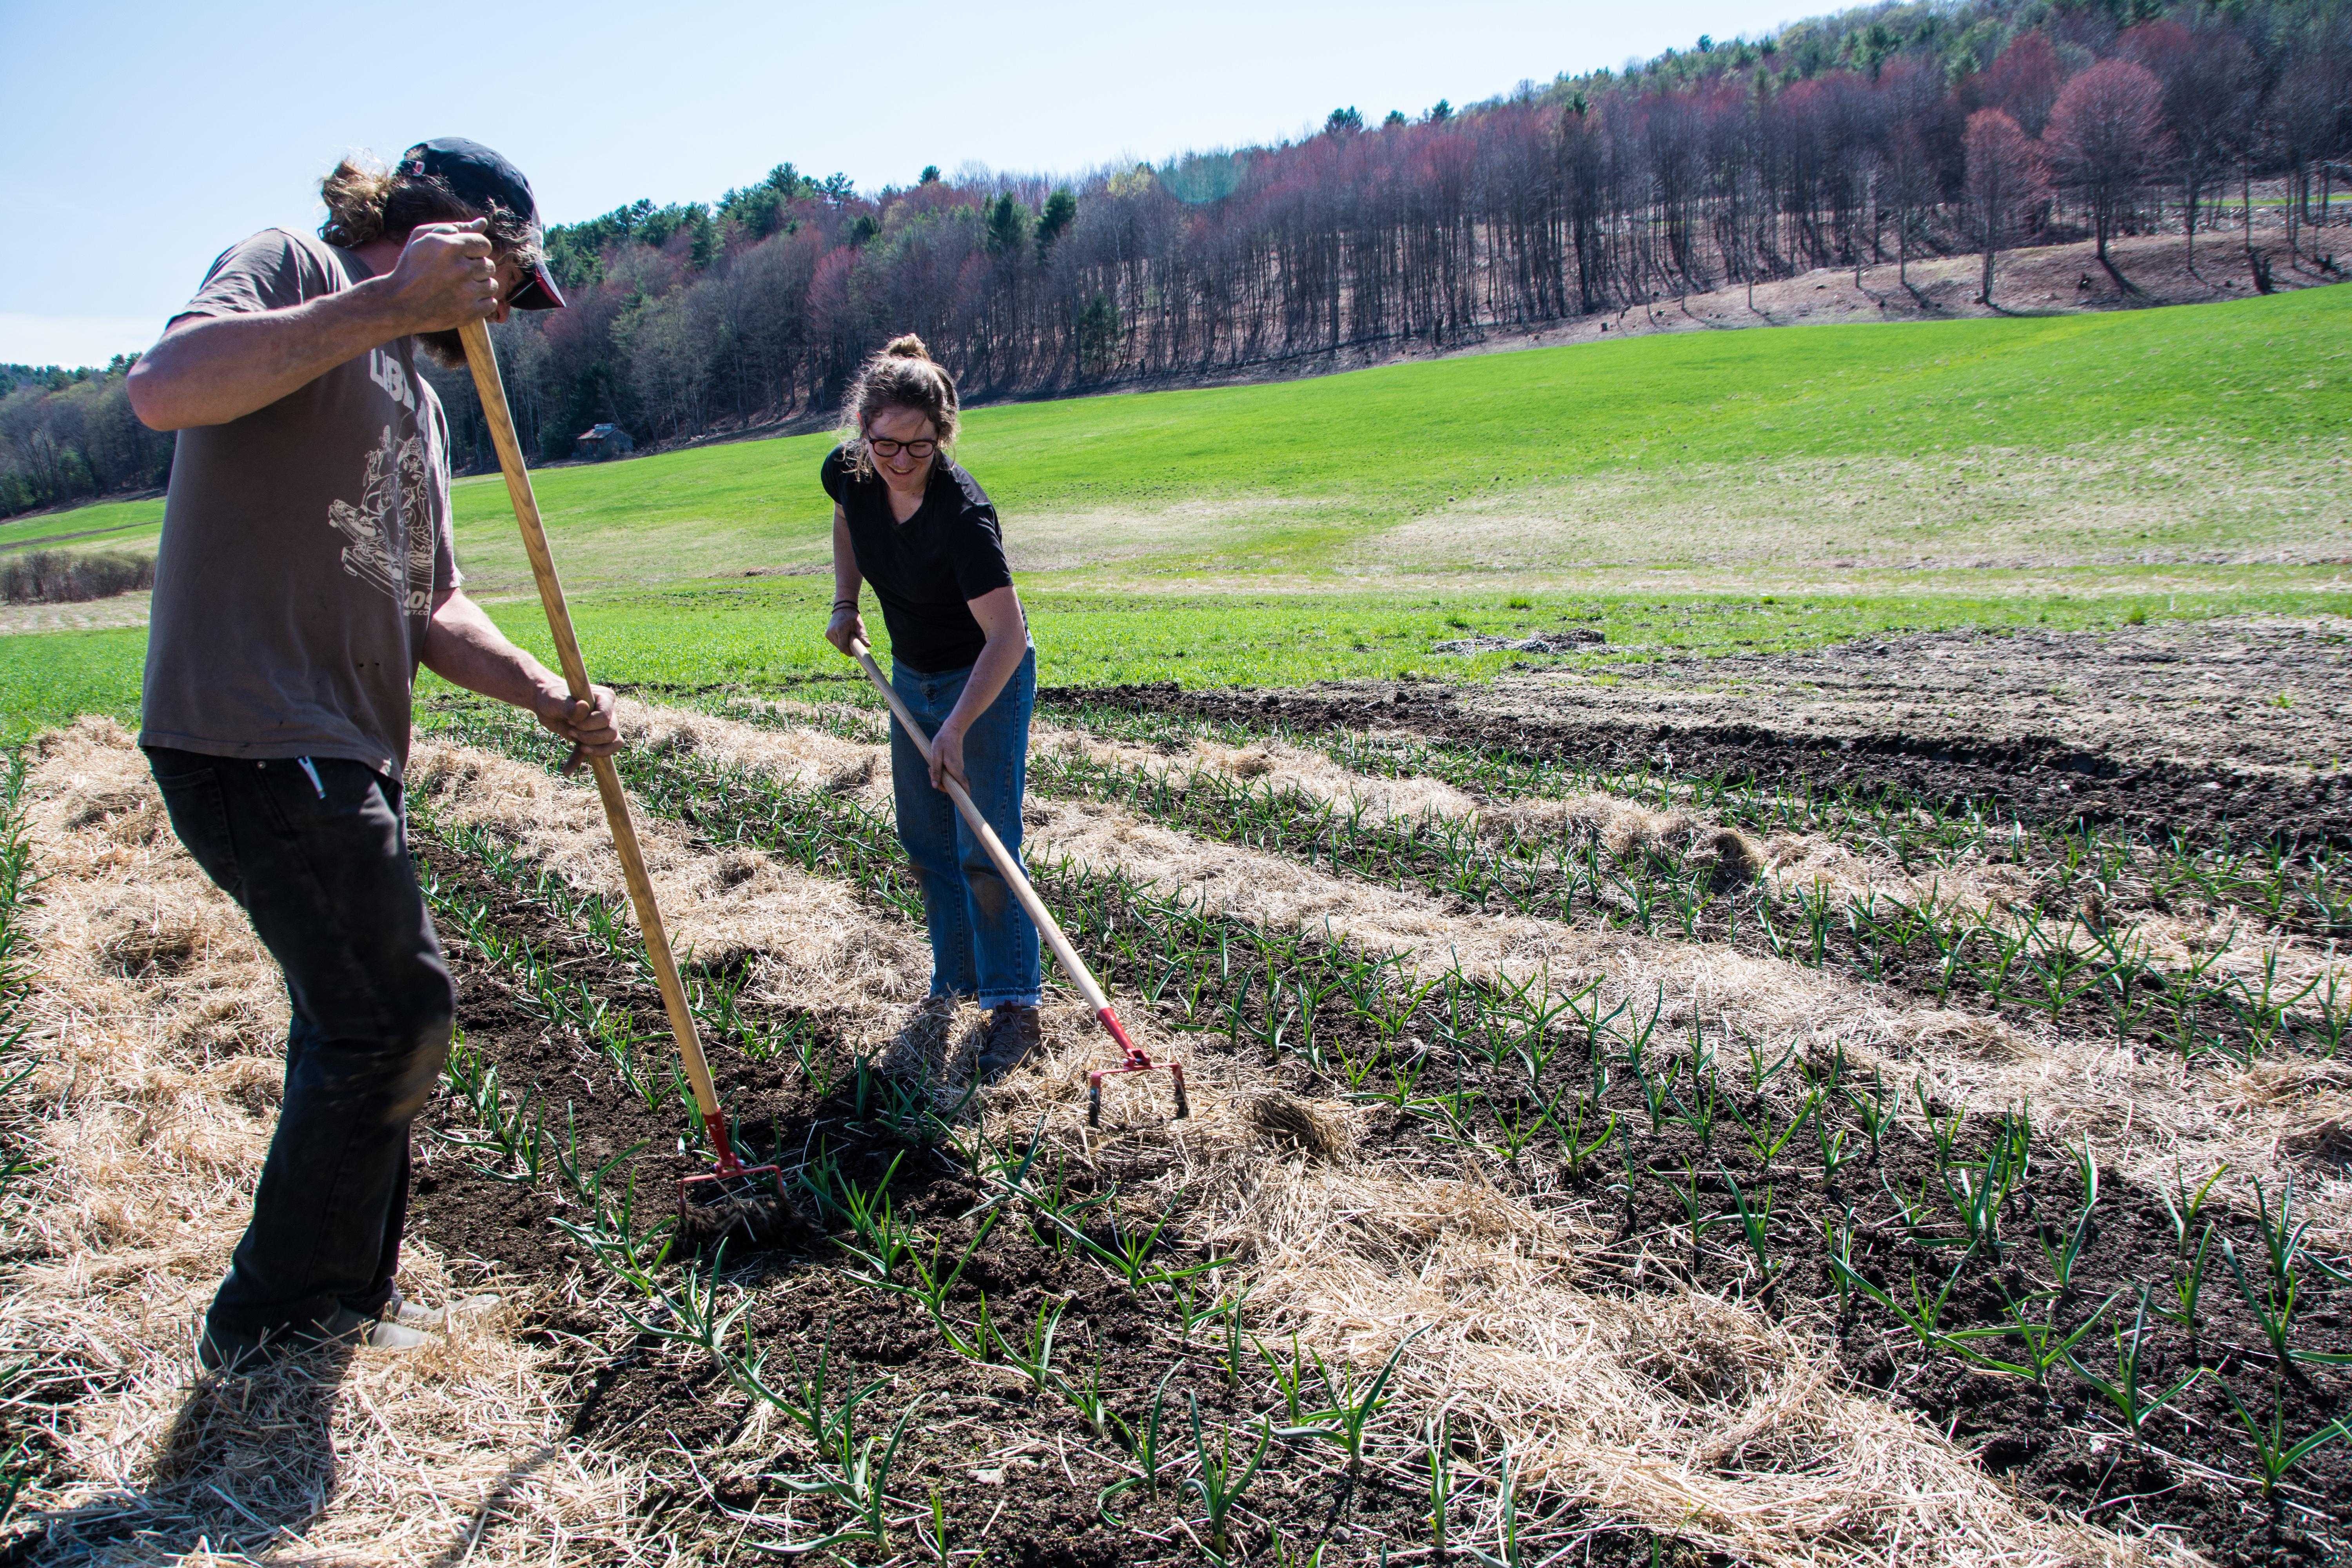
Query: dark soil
[(2159, 730), (2062, 1447), (993, 1452), (1028, 1469)]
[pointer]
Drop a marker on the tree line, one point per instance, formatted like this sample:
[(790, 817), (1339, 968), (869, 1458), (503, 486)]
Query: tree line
[(69, 434), (1874, 136)]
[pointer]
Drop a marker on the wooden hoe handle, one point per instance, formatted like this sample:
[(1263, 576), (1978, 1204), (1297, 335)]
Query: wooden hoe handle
[(483, 361)]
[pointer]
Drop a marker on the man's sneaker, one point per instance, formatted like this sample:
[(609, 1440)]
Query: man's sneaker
[(220, 1352), (1013, 1035), (399, 1309), (350, 1328)]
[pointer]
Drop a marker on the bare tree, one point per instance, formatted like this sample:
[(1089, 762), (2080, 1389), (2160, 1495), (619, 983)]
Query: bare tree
[(1914, 97), (2005, 180), (2207, 75), (2105, 138), (2024, 81)]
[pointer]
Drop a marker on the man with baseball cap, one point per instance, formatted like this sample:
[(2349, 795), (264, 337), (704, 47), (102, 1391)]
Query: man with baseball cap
[(306, 570)]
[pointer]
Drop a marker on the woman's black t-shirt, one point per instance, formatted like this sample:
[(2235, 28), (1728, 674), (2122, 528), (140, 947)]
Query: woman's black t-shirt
[(926, 568)]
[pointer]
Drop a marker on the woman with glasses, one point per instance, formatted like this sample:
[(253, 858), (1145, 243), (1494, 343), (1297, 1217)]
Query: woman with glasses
[(908, 520)]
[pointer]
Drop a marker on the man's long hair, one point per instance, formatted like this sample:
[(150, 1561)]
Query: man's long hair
[(367, 202)]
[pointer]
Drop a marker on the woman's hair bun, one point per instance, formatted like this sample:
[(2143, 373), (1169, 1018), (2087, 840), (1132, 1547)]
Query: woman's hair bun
[(903, 376)]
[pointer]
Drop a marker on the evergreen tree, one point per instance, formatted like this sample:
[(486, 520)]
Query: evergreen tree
[(1061, 207)]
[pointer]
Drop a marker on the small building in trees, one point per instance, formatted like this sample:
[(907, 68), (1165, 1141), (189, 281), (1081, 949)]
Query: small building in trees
[(602, 441)]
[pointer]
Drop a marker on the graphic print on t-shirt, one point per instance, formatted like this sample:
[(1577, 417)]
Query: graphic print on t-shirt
[(389, 534)]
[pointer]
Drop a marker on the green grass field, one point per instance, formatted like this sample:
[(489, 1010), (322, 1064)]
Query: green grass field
[(766, 635), (2065, 471), (107, 525)]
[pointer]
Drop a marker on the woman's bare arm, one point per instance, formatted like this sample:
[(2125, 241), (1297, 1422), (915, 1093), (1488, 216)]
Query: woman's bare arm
[(844, 625), (1006, 626)]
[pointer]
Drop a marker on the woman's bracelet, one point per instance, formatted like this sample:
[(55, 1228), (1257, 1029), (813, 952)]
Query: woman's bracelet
[(844, 604)]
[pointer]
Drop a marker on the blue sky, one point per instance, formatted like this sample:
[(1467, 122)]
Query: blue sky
[(137, 140)]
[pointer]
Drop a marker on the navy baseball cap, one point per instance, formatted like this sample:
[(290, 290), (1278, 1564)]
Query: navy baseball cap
[(481, 178)]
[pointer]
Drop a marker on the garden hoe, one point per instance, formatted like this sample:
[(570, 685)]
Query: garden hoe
[(1134, 1058), (732, 1198)]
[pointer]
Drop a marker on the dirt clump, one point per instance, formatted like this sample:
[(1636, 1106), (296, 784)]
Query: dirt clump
[(1738, 857)]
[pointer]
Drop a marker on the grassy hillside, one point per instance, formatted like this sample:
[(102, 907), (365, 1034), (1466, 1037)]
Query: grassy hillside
[(2187, 433), (106, 524), (1705, 491), (2198, 434)]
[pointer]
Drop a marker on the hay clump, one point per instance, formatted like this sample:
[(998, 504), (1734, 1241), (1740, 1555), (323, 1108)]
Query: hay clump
[(1252, 763), (1738, 857), (158, 944), (1320, 1130)]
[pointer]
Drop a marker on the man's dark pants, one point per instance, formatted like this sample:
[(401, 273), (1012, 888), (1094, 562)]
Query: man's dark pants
[(317, 853)]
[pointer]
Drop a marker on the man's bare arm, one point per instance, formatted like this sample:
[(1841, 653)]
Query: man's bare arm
[(464, 647), (209, 370)]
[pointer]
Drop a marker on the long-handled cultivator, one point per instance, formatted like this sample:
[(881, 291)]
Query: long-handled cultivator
[(731, 1198), (1133, 1057)]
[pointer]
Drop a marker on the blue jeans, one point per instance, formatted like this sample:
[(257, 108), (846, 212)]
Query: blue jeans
[(318, 856), (984, 944)]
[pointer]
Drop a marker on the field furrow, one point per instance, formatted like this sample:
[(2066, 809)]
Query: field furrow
[(1529, 820), (2276, 1119), (1520, 1330)]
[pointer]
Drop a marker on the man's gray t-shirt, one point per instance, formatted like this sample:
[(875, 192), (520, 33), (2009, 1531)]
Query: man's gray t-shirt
[(304, 545)]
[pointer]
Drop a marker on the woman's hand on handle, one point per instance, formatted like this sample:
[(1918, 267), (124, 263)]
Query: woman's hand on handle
[(1000, 618), (947, 756), (846, 627)]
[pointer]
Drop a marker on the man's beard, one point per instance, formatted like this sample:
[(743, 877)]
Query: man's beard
[(446, 349)]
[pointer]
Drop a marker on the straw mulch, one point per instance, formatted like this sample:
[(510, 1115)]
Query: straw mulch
[(157, 1024)]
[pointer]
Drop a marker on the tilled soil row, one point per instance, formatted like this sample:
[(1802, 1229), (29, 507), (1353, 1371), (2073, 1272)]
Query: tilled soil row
[(1789, 873), (2284, 1118), (717, 1455), (644, 1399), (2039, 778), (1009, 1465), (1988, 868)]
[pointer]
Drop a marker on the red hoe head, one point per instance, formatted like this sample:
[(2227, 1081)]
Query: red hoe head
[(734, 1199), (1135, 1060)]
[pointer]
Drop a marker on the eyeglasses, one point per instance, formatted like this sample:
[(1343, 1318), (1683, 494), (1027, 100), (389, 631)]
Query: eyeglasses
[(916, 449)]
